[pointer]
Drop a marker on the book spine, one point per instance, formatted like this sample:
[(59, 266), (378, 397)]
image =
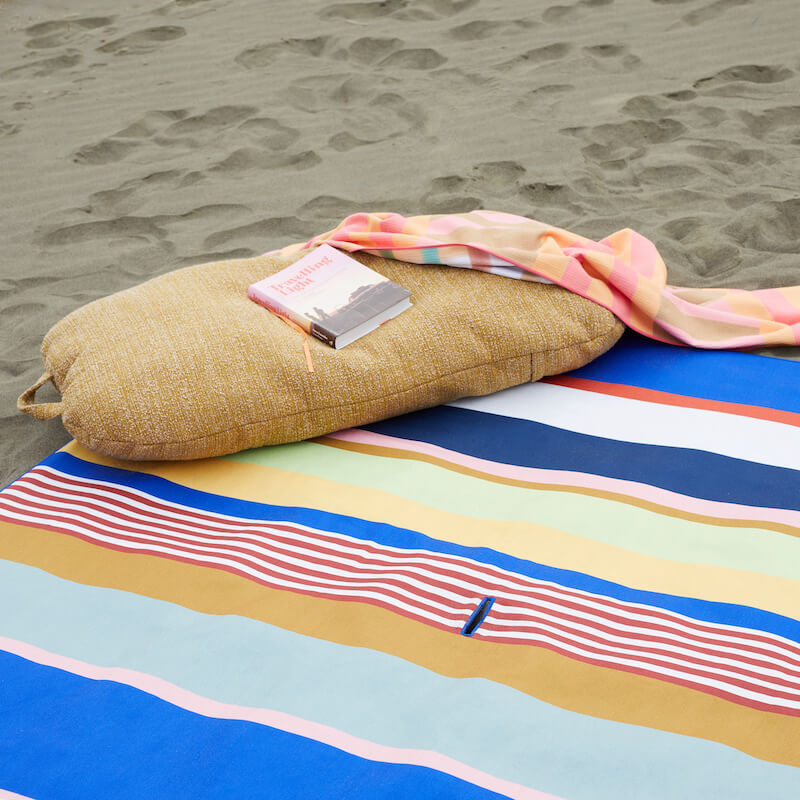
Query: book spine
[(323, 334), (281, 310)]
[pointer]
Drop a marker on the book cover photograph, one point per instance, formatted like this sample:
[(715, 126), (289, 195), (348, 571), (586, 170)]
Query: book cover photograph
[(331, 296)]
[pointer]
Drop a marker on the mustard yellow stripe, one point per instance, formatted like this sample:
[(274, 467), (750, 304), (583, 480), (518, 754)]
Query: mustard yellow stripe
[(528, 540), (558, 680)]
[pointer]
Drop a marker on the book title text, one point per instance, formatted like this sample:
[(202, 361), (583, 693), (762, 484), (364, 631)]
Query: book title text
[(301, 279)]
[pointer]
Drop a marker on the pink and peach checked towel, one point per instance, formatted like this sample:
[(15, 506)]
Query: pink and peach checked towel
[(623, 272)]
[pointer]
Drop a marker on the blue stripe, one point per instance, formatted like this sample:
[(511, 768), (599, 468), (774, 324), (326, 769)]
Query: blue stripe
[(380, 697), (707, 610), (508, 440), (66, 736), (430, 255), (728, 376)]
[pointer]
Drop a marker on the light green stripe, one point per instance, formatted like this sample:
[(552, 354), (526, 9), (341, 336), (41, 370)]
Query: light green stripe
[(619, 524)]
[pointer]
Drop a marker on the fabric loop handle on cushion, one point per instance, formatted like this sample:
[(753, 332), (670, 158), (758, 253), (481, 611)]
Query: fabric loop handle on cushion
[(42, 411)]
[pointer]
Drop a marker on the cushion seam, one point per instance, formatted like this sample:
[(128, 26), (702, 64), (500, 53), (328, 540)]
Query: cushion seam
[(245, 425)]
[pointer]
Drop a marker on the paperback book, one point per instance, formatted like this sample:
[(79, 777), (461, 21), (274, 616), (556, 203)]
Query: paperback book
[(331, 296)]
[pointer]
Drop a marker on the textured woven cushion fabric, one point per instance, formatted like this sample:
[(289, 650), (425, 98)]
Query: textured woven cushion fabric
[(185, 366)]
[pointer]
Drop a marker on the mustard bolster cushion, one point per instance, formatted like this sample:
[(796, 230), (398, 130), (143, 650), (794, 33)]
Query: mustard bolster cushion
[(185, 366)]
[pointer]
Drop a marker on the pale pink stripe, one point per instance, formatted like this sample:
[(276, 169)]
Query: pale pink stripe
[(778, 304), (275, 719), (501, 218), (447, 223), (643, 491), (575, 275), (6, 795), (645, 256)]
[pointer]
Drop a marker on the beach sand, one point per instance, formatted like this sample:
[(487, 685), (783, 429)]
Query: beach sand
[(138, 138)]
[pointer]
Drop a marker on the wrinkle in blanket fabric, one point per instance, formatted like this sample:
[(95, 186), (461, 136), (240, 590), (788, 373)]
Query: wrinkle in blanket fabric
[(622, 272), (583, 588)]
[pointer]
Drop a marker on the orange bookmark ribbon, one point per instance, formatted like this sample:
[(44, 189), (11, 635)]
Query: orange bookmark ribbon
[(306, 348)]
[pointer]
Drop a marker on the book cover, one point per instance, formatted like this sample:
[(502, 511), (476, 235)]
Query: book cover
[(331, 296)]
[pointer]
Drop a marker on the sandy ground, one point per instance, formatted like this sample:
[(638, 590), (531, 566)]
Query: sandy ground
[(136, 138)]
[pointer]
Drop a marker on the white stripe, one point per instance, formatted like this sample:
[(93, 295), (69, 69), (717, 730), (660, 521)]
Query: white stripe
[(338, 587), (643, 422), (634, 645), (260, 555), (493, 264), (701, 681), (513, 583), (457, 602), (252, 542), (487, 634), (717, 644), (348, 579), (268, 579)]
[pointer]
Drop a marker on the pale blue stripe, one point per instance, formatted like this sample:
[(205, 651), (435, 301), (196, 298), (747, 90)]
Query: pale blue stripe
[(430, 255), (378, 697)]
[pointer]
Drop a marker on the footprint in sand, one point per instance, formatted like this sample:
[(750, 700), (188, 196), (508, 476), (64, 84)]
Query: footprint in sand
[(712, 11), (382, 117), (247, 158), (107, 151), (257, 233), (572, 13), (329, 92), (370, 49), (176, 131), (44, 67), (431, 10), (496, 177), (125, 227), (330, 208), (135, 235), (485, 185), (202, 127), (737, 80), (268, 133), (727, 157), (449, 8), (671, 176), (143, 41), (695, 115), (686, 241), (136, 192), (127, 196), (416, 58), (626, 140), (484, 29), (152, 122), (541, 100), (780, 124), (266, 54), (188, 8), (356, 109), (771, 226), (60, 32), (119, 145), (9, 128), (363, 11), (450, 195), (538, 55), (611, 57), (553, 200)]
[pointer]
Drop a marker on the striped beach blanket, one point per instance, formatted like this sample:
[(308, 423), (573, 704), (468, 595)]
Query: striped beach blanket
[(623, 273), (587, 587)]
